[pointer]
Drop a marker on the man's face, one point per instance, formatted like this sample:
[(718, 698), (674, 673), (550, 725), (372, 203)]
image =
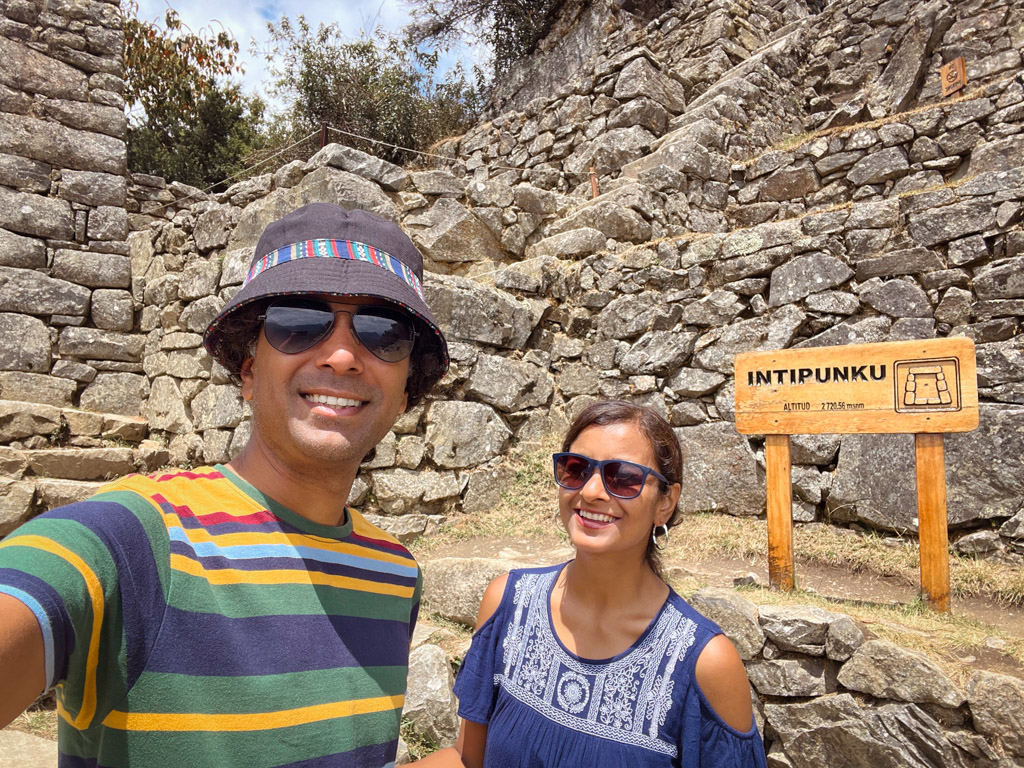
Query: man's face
[(328, 405)]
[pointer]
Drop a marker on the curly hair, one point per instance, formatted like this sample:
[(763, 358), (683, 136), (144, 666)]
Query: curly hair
[(237, 334), (668, 453)]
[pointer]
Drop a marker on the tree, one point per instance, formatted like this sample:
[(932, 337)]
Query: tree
[(376, 86), (203, 146), (511, 28), (184, 124)]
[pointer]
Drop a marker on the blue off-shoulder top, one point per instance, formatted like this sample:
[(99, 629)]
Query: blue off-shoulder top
[(544, 706)]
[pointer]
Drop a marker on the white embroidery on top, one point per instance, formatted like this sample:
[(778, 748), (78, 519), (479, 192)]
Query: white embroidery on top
[(626, 700)]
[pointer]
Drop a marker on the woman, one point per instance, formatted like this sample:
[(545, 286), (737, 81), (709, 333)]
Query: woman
[(598, 662)]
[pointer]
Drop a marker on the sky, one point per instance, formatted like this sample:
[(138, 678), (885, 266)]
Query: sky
[(248, 21)]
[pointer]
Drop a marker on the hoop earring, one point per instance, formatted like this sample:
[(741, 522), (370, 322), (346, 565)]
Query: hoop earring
[(654, 537)]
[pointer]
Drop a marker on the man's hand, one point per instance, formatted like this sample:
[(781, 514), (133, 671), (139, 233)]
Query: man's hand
[(22, 667)]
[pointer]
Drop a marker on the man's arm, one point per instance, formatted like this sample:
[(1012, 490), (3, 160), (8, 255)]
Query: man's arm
[(22, 666)]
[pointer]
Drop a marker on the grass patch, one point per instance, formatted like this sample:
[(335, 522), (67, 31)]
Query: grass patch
[(528, 507), (38, 720), (419, 746)]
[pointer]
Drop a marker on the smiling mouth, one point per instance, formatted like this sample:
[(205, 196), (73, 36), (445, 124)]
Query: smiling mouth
[(595, 517), (334, 402)]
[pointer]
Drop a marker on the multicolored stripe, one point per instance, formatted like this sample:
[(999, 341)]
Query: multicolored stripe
[(190, 620), (337, 249)]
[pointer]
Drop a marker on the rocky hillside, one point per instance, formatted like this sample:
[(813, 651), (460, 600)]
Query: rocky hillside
[(768, 175)]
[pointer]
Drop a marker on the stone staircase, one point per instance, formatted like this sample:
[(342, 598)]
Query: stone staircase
[(57, 455)]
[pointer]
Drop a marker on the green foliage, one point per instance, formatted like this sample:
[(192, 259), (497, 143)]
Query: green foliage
[(185, 125), (168, 69), (375, 86), (202, 147), (510, 27)]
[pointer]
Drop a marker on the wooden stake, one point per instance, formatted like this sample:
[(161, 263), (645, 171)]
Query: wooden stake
[(932, 527), (780, 512), (593, 182)]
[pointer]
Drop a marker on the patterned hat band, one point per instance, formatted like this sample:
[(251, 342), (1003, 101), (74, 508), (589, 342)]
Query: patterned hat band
[(336, 249)]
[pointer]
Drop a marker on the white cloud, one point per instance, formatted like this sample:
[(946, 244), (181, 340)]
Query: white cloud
[(248, 22)]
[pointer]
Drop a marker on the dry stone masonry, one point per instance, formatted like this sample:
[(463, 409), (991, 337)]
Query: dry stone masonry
[(770, 174)]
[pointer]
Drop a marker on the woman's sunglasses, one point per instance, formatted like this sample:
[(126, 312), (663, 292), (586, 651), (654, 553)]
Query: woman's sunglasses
[(622, 479), (294, 325)]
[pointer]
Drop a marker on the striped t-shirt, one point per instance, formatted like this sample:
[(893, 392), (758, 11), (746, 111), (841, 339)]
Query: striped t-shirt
[(189, 620)]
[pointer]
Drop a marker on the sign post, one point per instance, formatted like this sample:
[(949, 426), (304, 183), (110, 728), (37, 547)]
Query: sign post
[(925, 388), (953, 76)]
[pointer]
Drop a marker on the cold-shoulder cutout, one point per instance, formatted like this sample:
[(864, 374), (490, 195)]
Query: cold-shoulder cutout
[(723, 681), (491, 600)]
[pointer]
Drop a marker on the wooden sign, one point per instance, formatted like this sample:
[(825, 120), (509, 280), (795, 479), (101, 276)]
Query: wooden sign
[(953, 76), (922, 387), (911, 387)]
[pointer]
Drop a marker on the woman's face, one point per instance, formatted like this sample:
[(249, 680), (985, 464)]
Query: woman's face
[(598, 522)]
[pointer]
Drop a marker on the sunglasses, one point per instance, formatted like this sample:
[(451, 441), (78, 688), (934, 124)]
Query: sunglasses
[(622, 479), (294, 325)]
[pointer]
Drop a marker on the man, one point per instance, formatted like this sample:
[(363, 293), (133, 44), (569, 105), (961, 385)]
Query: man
[(241, 615)]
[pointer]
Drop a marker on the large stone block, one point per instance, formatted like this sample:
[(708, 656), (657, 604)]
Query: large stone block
[(790, 677), (470, 311), (464, 434), (29, 292), (805, 275), (720, 472), (509, 385), (454, 586), (218, 407), (165, 408), (1001, 281), (93, 343), (22, 252), (400, 491), (609, 218), (886, 671), (82, 463), (449, 233), (24, 344), (16, 504), (631, 315), (659, 353), (389, 176), (774, 331), (950, 222), (736, 615), (34, 215), (18, 420), (640, 78), (93, 188), (874, 478), (96, 270), (430, 706), (36, 388), (837, 731), (997, 706), (28, 70), (123, 393), (25, 175), (56, 144)]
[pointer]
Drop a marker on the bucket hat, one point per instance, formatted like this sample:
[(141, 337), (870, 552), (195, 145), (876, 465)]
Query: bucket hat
[(325, 249)]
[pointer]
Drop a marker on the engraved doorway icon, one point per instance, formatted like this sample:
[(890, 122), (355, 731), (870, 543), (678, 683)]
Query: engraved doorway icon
[(927, 385)]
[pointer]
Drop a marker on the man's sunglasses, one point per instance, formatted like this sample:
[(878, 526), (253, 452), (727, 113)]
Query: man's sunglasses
[(622, 479), (294, 325)]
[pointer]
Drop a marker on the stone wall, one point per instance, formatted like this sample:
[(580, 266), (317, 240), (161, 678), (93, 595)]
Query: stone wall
[(66, 310), (701, 244), (826, 691)]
